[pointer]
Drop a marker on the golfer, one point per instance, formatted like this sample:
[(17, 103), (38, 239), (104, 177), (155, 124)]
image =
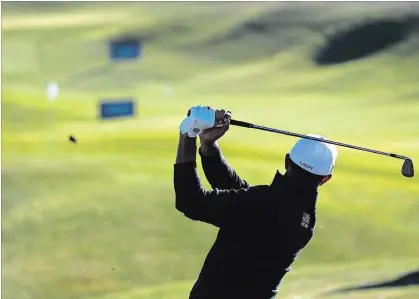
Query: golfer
[(262, 229)]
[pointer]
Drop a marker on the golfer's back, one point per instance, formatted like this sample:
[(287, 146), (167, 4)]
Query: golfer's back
[(255, 249)]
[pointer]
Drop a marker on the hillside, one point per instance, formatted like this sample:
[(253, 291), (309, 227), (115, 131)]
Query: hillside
[(97, 219)]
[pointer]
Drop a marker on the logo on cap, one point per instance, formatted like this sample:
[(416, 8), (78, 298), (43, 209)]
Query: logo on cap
[(196, 130), (305, 165)]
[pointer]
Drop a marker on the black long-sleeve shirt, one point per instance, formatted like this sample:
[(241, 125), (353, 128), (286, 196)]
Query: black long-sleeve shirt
[(262, 228)]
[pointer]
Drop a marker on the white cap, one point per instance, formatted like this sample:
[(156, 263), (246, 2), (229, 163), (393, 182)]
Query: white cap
[(314, 156)]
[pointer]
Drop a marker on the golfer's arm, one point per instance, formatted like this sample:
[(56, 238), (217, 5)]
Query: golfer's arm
[(218, 172), (216, 207), (186, 179), (186, 151), (191, 197)]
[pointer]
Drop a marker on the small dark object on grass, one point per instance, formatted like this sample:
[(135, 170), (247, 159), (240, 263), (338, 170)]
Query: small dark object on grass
[(72, 139)]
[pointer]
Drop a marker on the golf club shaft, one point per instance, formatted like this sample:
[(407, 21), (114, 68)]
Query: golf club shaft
[(252, 126)]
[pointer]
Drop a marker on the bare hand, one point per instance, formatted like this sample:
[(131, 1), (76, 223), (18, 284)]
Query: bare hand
[(222, 124)]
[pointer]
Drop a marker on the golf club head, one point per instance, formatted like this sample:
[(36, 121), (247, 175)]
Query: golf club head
[(407, 168)]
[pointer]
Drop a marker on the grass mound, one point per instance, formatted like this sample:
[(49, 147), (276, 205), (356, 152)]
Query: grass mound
[(365, 39)]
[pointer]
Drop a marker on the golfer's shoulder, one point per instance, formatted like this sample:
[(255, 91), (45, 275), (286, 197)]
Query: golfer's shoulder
[(259, 188), (257, 191)]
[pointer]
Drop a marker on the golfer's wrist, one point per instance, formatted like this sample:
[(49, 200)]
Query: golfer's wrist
[(186, 151), (185, 137)]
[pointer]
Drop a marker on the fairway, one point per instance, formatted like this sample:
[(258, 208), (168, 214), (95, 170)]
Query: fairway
[(96, 219)]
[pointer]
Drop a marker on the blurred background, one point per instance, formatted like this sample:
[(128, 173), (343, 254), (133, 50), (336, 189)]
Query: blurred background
[(95, 218)]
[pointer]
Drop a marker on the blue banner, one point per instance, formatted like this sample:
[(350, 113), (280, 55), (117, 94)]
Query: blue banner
[(116, 108)]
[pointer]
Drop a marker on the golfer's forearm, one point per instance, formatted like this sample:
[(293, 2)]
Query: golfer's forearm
[(217, 170), (190, 194), (186, 151), (187, 185), (210, 149), (186, 179)]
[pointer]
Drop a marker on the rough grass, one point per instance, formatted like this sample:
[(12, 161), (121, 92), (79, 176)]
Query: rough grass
[(97, 219)]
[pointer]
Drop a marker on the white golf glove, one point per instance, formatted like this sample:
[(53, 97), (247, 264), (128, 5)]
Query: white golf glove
[(199, 119)]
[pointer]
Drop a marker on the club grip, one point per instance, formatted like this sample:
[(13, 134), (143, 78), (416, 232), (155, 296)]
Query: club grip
[(240, 123), (237, 123)]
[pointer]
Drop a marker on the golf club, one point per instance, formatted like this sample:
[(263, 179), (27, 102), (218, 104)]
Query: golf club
[(407, 168)]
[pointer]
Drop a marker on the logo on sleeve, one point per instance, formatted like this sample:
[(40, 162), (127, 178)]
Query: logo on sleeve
[(306, 220)]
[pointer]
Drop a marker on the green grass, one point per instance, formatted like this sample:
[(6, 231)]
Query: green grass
[(97, 219)]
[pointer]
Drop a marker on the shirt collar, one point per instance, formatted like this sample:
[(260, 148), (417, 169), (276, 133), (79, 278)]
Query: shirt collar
[(281, 180)]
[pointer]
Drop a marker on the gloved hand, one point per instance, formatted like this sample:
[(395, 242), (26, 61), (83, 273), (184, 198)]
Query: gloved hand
[(199, 119)]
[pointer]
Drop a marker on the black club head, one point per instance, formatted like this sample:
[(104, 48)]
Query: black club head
[(407, 168)]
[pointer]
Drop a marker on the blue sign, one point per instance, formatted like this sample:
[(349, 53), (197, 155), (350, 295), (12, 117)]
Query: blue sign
[(125, 49), (116, 108)]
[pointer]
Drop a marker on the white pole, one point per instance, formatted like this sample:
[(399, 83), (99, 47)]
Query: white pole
[(52, 93)]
